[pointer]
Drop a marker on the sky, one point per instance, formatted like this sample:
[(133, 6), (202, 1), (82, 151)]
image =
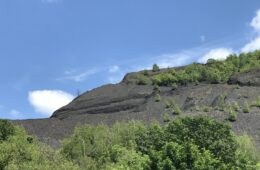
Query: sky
[(52, 50)]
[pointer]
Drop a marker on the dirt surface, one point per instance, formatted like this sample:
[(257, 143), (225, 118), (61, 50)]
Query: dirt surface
[(126, 101)]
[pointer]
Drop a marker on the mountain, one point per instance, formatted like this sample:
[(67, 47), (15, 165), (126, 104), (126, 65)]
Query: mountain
[(225, 90)]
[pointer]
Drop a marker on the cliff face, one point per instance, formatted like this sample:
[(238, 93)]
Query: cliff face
[(127, 100)]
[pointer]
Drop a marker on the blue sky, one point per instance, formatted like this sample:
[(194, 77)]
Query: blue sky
[(50, 49)]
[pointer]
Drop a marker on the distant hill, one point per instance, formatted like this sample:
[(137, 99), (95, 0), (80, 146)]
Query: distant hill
[(226, 90)]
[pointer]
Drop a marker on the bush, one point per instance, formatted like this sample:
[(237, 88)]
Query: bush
[(157, 97), (246, 108), (18, 153), (174, 86), (176, 110), (166, 117), (156, 68), (205, 108), (6, 130), (156, 89), (168, 104), (236, 106), (232, 115), (145, 73), (142, 80), (206, 133), (257, 102), (213, 72), (184, 143)]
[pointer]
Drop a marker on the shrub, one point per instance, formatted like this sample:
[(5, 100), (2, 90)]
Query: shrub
[(142, 80), (206, 133), (156, 89), (246, 108), (168, 104), (145, 73), (174, 86), (6, 130), (19, 153), (176, 110), (257, 102), (155, 68), (247, 154), (232, 115), (157, 97), (205, 108), (236, 106), (166, 117)]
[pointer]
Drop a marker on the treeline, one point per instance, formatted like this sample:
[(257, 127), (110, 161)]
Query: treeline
[(197, 143), (213, 71)]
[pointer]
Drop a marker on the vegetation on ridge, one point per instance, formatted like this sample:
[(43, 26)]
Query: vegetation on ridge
[(214, 71)]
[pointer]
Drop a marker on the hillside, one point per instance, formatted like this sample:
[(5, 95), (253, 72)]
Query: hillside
[(217, 89)]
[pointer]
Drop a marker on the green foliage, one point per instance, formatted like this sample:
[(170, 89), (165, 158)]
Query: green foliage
[(18, 153), (176, 110), (256, 103), (174, 86), (167, 104), (6, 130), (232, 115), (246, 108), (145, 73), (206, 133), (157, 97), (185, 156), (142, 80), (123, 158), (213, 72), (156, 89), (205, 108), (156, 68), (247, 154), (236, 106), (166, 117), (198, 143)]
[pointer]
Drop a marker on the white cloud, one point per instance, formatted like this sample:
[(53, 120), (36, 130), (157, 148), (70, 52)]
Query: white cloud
[(172, 60), (47, 101), (179, 59), (114, 69), (255, 23), (217, 54), (252, 46), (79, 77)]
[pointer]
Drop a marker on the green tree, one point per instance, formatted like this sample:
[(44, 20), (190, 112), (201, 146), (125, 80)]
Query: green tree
[(155, 68), (206, 133), (6, 130)]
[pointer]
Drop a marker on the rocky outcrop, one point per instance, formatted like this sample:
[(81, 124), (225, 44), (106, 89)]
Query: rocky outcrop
[(248, 78)]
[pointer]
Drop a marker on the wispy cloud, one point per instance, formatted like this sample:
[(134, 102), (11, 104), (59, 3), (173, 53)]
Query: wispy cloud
[(114, 69), (217, 54), (79, 76), (47, 101), (15, 114)]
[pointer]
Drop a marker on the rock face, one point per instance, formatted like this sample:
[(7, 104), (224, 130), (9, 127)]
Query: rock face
[(126, 101), (249, 78)]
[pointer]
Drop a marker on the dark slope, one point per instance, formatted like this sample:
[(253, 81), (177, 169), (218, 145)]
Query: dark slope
[(126, 101)]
